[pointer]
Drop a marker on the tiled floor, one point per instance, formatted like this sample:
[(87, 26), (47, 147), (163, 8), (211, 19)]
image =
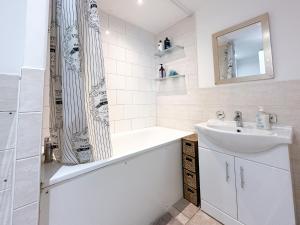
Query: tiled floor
[(185, 213)]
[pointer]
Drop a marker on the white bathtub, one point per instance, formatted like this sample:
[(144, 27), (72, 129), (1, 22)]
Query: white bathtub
[(137, 185)]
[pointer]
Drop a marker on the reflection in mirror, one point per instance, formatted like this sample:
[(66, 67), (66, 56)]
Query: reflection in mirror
[(243, 52)]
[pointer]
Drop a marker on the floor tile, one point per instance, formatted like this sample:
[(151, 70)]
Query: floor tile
[(185, 213), (178, 215), (164, 220), (174, 222), (174, 212), (182, 218), (181, 204), (186, 208), (200, 218)]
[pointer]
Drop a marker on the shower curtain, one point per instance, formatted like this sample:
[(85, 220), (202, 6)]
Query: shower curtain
[(230, 60), (79, 123)]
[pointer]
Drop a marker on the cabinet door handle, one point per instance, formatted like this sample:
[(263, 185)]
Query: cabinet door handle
[(242, 177), (227, 171)]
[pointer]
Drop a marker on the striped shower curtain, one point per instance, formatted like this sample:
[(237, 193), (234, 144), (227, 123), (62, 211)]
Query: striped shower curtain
[(79, 124)]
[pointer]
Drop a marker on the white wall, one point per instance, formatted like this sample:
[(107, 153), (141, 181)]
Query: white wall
[(36, 37), (171, 109), (183, 62), (12, 24), (216, 15), (23, 37), (129, 66)]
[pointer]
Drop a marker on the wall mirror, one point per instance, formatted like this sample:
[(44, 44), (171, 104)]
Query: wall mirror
[(243, 52)]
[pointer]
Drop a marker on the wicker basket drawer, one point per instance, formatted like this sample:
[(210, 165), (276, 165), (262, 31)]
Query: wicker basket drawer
[(189, 148), (189, 163), (190, 194), (190, 178)]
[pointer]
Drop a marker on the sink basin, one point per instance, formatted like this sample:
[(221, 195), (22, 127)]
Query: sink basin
[(247, 139)]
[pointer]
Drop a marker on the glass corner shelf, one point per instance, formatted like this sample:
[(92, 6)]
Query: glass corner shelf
[(170, 77), (168, 51)]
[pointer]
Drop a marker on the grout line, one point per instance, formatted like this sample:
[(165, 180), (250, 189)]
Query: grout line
[(25, 158), (7, 189), (15, 154), (9, 111), (31, 112), (28, 204), (7, 149)]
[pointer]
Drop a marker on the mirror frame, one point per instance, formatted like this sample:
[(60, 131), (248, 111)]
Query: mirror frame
[(264, 20)]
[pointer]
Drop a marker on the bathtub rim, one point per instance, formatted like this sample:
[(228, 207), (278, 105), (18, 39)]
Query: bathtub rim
[(50, 178)]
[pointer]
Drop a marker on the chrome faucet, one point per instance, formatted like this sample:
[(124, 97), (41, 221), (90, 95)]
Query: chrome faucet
[(238, 118)]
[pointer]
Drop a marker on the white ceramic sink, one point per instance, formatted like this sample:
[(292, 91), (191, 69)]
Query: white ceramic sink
[(247, 139)]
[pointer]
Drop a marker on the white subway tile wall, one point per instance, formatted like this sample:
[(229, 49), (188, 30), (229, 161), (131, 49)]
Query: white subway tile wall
[(32, 84), (46, 106), (130, 73), (28, 147), (27, 182), (29, 135), (5, 207), (9, 88), (183, 62), (6, 169), (26, 215), (8, 122)]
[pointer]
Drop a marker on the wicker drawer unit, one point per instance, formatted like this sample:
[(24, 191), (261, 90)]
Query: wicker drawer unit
[(190, 163), (190, 178), (191, 195)]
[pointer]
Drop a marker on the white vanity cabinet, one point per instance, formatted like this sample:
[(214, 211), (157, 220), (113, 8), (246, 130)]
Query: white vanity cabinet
[(245, 175), (263, 194), (218, 180), (237, 190)]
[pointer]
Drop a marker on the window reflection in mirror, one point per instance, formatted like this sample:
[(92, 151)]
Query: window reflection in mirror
[(243, 52)]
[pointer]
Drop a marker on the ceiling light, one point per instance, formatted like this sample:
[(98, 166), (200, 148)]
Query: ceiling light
[(140, 2), (107, 32)]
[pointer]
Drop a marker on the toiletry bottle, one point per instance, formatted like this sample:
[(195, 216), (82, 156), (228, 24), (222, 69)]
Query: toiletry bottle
[(167, 43), (160, 46), (263, 119), (162, 71)]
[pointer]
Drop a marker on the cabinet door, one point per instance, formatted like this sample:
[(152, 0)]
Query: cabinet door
[(217, 180), (264, 194)]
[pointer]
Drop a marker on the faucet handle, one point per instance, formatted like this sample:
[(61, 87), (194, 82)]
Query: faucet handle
[(273, 118), (220, 115), (238, 114)]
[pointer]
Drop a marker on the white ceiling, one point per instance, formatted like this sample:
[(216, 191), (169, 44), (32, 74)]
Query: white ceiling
[(154, 15)]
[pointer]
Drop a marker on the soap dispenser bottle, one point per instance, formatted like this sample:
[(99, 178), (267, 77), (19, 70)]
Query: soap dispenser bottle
[(262, 119), (162, 72), (167, 43), (160, 46)]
